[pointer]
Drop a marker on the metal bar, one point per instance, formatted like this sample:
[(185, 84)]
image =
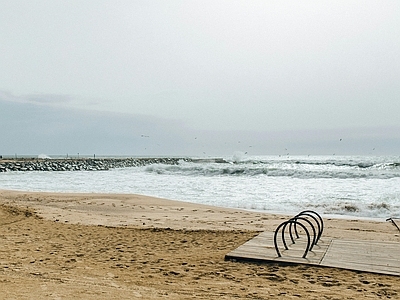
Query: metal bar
[(284, 225), (305, 213), (320, 219), (309, 223), (394, 223), (275, 235), (283, 235), (291, 234)]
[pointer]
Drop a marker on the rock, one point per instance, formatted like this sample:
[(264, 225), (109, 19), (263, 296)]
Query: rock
[(83, 164)]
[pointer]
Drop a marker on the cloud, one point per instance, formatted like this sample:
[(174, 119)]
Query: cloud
[(36, 98), (256, 65), (31, 128), (48, 99)]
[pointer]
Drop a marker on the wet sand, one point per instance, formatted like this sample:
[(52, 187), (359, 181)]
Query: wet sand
[(108, 246)]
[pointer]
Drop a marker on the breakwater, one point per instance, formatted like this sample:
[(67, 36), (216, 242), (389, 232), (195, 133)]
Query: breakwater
[(81, 164)]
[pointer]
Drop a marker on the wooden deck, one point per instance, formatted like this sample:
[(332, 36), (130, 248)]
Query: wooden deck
[(367, 256)]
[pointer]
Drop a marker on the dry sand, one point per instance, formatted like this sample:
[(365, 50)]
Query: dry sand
[(103, 246)]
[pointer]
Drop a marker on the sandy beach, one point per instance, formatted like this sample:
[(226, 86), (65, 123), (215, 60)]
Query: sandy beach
[(119, 246)]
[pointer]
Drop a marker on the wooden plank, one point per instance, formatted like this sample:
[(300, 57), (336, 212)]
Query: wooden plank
[(370, 260), (378, 257), (377, 250), (369, 256), (361, 247), (366, 258), (364, 267)]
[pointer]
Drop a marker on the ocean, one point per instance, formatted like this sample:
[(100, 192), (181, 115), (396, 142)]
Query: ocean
[(361, 186)]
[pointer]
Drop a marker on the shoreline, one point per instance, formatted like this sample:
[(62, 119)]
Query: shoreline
[(110, 209), (277, 213), (124, 246), (141, 211)]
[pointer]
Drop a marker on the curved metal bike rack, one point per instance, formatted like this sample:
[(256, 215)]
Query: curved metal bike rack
[(301, 220)]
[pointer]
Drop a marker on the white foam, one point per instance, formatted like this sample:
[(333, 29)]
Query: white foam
[(261, 183)]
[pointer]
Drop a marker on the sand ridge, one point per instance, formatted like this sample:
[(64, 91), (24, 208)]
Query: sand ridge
[(178, 256)]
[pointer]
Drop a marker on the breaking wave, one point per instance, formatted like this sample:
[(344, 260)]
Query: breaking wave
[(295, 168)]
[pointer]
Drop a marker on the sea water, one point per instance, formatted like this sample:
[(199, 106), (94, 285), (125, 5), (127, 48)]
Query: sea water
[(346, 185)]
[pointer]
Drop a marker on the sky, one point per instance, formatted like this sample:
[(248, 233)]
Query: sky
[(199, 77)]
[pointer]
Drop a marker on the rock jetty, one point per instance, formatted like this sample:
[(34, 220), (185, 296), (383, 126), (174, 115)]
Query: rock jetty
[(82, 164)]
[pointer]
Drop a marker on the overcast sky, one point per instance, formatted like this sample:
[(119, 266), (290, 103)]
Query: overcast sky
[(200, 77)]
